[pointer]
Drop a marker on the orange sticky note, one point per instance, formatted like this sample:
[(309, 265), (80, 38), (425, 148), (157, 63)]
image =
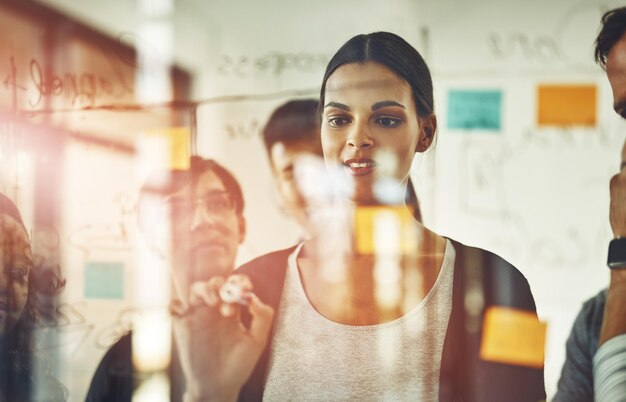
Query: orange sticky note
[(376, 226), (176, 139), (566, 105), (513, 336)]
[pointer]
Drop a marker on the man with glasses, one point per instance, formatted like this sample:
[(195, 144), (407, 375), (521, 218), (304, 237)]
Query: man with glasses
[(205, 209), (194, 218)]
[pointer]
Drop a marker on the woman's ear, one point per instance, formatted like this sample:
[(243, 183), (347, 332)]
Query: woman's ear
[(428, 127)]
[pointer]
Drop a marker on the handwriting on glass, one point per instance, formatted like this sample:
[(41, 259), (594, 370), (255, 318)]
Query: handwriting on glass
[(78, 88)]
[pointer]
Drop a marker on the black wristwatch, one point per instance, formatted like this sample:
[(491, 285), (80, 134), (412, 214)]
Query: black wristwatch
[(617, 253)]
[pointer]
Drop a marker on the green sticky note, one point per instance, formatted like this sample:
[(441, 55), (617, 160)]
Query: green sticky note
[(474, 109), (104, 280)]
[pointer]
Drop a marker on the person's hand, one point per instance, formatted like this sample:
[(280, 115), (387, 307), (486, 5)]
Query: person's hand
[(614, 320), (217, 353), (617, 211), (617, 217)]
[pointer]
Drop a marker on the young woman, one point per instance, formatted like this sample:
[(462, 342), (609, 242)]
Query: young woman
[(349, 318), (24, 372)]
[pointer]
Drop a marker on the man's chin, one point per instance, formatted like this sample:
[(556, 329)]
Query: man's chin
[(208, 254), (207, 265), (209, 251)]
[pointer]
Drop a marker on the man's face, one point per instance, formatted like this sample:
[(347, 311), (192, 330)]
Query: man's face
[(206, 230), (286, 159), (616, 72)]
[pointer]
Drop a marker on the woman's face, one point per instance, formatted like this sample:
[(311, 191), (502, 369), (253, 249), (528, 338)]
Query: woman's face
[(16, 262), (371, 128)]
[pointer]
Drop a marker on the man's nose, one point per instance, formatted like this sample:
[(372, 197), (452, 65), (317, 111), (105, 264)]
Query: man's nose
[(201, 216)]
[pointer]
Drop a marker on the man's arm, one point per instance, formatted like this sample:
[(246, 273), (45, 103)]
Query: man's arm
[(609, 370), (614, 322), (609, 363)]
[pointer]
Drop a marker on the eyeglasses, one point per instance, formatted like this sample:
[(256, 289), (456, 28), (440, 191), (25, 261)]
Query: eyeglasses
[(217, 203)]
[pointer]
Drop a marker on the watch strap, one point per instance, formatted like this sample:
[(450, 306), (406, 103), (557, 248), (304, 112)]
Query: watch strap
[(617, 253)]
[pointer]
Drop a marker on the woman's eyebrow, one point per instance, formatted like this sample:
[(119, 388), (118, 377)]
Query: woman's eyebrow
[(338, 106), (380, 105)]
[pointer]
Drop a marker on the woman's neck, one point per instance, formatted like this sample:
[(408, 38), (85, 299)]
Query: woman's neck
[(352, 280)]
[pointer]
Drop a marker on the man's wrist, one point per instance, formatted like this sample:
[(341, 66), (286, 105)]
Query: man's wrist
[(618, 279)]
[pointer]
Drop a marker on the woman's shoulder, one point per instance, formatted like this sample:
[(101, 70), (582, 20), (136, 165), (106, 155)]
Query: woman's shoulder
[(267, 274), (502, 282), (484, 259), (269, 261)]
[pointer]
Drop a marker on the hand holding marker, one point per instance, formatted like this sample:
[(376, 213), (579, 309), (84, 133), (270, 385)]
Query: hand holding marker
[(234, 293)]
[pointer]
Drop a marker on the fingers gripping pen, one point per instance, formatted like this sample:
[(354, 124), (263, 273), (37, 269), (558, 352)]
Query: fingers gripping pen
[(233, 293)]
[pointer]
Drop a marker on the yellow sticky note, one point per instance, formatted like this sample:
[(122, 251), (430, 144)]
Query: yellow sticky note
[(384, 229), (513, 336), (176, 140), (566, 105)]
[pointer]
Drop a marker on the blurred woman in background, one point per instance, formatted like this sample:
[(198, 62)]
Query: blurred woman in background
[(24, 370)]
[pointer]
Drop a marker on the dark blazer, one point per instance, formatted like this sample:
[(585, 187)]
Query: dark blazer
[(464, 375)]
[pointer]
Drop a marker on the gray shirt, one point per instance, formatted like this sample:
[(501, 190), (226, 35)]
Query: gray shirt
[(576, 382), (315, 359)]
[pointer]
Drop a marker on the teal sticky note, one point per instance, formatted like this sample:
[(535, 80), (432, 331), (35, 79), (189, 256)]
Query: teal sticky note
[(104, 280), (474, 109)]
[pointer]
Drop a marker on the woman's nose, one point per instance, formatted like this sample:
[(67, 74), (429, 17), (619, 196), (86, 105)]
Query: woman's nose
[(360, 137)]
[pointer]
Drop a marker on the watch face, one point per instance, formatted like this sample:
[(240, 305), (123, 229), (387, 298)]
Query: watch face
[(617, 253)]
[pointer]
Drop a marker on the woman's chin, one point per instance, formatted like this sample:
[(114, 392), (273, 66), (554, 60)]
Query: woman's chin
[(365, 199), (386, 191)]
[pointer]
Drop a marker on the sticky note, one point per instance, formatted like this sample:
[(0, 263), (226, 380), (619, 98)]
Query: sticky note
[(474, 109), (513, 336), (566, 105), (382, 229), (104, 280), (176, 140)]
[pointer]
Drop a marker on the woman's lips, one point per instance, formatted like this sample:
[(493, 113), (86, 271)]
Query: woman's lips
[(360, 166)]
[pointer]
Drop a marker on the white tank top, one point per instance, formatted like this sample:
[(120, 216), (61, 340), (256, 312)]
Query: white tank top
[(315, 359)]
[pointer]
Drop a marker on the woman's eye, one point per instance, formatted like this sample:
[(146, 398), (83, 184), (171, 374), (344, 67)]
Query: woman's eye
[(337, 121), (388, 121)]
